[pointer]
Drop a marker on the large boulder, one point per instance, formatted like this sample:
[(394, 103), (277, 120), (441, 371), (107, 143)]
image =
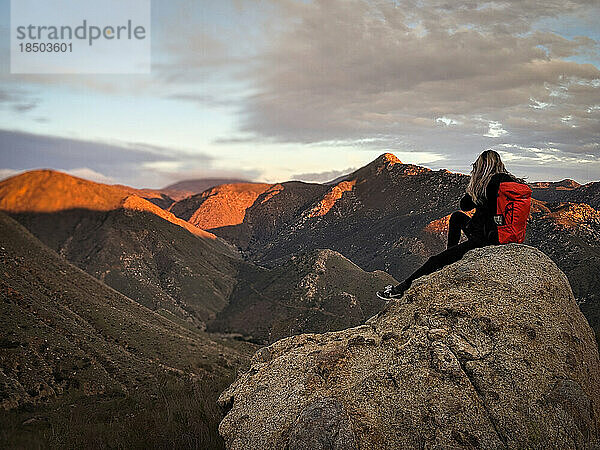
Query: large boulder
[(489, 352)]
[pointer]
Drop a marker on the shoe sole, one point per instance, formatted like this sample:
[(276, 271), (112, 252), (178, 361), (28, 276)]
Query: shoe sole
[(391, 297)]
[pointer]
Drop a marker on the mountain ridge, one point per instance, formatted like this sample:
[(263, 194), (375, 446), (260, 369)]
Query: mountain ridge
[(76, 354), (392, 216), (134, 246)]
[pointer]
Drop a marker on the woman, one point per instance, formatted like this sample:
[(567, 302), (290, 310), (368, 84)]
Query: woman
[(481, 230)]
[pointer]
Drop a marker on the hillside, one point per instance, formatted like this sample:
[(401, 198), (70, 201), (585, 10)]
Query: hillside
[(144, 252), (220, 206), (315, 292), (49, 191), (76, 356), (476, 355)]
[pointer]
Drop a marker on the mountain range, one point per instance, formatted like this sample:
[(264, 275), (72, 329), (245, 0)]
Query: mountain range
[(568, 191), (119, 280), (392, 216), (132, 245), (163, 262)]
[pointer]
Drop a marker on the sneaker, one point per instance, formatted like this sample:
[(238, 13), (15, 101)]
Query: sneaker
[(389, 292)]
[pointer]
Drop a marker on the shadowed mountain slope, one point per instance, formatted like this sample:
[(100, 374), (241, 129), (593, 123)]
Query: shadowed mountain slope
[(568, 191), (315, 292), (129, 243), (66, 336)]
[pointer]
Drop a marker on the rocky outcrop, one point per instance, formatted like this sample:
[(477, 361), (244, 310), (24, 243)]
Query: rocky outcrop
[(489, 352), (569, 233)]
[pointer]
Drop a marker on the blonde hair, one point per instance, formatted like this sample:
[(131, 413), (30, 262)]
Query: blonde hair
[(485, 167)]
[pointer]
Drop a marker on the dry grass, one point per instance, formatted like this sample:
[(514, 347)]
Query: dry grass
[(178, 414)]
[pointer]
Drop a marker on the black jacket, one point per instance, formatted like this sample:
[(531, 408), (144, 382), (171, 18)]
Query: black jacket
[(482, 227)]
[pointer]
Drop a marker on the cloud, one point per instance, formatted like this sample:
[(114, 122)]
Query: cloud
[(447, 121), (27, 149), (7, 173), (24, 107), (322, 177), (536, 104), (429, 75), (132, 163), (419, 76), (17, 100), (89, 174), (193, 55), (82, 172), (549, 163), (210, 100), (495, 130)]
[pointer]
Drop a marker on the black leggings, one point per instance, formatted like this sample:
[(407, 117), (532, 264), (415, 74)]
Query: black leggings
[(453, 253), (458, 222)]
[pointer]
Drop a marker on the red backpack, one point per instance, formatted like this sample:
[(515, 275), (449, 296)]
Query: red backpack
[(512, 211)]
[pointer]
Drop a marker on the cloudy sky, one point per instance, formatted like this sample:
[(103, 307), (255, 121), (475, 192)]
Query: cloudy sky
[(309, 89)]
